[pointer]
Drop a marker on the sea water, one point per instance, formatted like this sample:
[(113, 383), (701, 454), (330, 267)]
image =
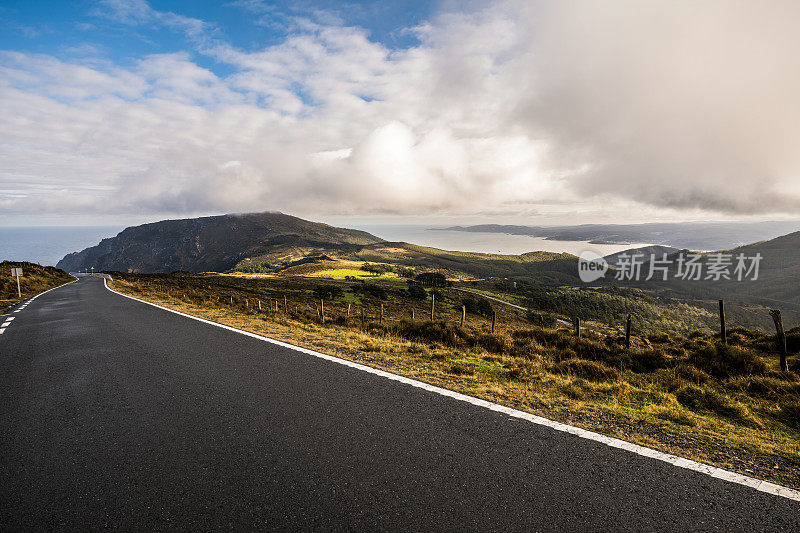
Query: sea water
[(46, 245), (492, 243)]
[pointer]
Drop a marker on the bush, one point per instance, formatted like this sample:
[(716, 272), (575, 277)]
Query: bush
[(431, 332), (328, 292), (376, 268), (494, 343), (722, 361), (790, 414), (792, 340), (706, 399), (650, 360), (432, 279), (370, 289), (417, 292), (480, 307)]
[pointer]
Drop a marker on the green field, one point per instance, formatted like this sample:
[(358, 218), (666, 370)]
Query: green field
[(342, 273)]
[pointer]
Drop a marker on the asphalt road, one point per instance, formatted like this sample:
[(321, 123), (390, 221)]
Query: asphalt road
[(118, 415)]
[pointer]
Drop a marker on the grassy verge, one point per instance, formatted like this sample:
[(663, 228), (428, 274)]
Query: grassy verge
[(35, 279), (689, 396)]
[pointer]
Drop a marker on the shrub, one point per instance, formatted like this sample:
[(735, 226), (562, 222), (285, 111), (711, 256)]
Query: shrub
[(650, 360), (376, 268), (494, 342), (480, 307), (692, 373), (441, 332), (792, 340), (370, 289), (722, 361), (417, 292), (432, 279), (790, 414), (328, 292), (707, 399), (767, 387)]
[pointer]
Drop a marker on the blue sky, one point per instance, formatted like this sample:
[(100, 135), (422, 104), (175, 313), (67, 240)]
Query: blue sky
[(69, 29), (516, 111)]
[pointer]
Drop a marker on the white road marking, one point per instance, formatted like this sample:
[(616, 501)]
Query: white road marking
[(713, 471), (6, 324), (2, 330), (32, 299)]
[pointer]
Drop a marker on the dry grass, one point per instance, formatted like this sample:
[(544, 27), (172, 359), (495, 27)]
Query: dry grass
[(727, 406)]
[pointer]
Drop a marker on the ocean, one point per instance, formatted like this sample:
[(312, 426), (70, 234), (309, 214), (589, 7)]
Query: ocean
[(47, 245), (492, 243)]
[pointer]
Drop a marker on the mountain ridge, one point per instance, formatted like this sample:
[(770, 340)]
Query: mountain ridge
[(213, 243)]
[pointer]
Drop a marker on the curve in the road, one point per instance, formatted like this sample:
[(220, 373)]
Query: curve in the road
[(118, 415)]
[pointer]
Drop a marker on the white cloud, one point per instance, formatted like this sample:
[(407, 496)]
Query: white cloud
[(512, 106), (136, 12)]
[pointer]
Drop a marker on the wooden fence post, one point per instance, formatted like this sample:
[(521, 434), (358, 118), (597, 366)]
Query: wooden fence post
[(348, 310), (322, 310), (578, 327), (781, 334), (259, 305), (723, 334), (412, 313), (433, 303), (381, 321), (628, 332), (494, 319), (463, 314), (285, 305)]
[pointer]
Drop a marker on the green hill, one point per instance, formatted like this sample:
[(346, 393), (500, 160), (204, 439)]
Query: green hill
[(217, 243), (776, 286)]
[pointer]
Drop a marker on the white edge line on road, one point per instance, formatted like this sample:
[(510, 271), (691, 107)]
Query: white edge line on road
[(713, 471), (34, 297)]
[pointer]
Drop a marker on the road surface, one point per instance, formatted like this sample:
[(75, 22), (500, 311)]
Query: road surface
[(117, 415)]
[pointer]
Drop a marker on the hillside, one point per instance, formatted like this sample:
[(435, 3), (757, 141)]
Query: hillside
[(216, 243), (775, 288), (35, 279), (657, 250)]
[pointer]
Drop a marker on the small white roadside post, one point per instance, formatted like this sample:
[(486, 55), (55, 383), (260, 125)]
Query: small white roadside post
[(17, 273)]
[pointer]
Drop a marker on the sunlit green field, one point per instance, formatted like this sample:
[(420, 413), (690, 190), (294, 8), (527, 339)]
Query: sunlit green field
[(342, 273)]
